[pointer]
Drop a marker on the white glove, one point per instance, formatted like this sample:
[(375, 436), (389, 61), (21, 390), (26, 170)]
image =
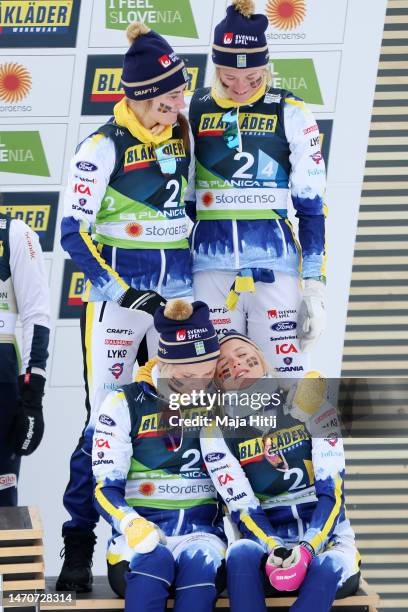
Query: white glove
[(141, 535), (312, 315)]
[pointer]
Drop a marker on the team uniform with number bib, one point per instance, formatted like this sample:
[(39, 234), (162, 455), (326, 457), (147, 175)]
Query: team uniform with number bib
[(136, 472), (296, 494), (242, 231), (136, 213)]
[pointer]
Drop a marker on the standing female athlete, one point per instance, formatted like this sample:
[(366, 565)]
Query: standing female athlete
[(253, 146), (125, 227)]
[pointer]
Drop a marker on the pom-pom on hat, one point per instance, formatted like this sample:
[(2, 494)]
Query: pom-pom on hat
[(150, 67), (186, 333), (239, 39)]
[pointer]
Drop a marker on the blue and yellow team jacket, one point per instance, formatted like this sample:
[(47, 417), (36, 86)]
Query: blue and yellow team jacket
[(136, 471), (241, 194)]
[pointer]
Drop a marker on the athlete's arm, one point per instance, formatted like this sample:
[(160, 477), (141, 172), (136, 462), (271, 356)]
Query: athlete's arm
[(307, 183), (329, 470), (111, 457), (226, 473), (32, 295), (89, 175), (189, 194)]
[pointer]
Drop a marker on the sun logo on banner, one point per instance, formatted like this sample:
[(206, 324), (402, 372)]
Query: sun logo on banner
[(134, 229), (15, 82), (285, 14)]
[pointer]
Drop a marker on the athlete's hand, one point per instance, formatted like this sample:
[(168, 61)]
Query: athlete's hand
[(290, 576), (141, 535), (29, 423), (148, 301), (311, 319), (276, 558)]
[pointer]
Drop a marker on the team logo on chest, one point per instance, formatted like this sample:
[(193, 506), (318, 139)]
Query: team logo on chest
[(144, 155)]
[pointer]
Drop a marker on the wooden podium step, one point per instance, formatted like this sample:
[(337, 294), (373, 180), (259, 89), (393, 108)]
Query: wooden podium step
[(102, 598), (21, 549)]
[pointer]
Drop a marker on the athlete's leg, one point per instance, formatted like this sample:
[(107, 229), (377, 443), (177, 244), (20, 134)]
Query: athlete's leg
[(213, 289), (148, 581), (199, 569), (272, 314), (245, 578), (9, 463), (330, 572)]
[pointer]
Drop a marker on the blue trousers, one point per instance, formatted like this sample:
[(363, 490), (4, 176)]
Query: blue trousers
[(193, 578), (9, 462), (246, 581)]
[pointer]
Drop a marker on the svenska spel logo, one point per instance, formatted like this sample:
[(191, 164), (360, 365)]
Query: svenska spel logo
[(285, 14), (15, 82)]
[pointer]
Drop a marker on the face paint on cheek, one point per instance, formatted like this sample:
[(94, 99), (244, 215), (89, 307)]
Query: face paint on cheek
[(163, 108), (225, 374), (175, 382), (252, 362), (257, 83)]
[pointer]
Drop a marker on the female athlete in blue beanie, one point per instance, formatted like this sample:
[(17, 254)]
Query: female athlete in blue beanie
[(150, 483), (254, 146)]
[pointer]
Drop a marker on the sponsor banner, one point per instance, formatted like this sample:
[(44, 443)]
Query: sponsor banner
[(325, 129), (32, 154), (71, 294), (297, 22), (240, 199), (182, 22), (24, 91), (103, 86), (37, 208), (312, 76), (38, 23)]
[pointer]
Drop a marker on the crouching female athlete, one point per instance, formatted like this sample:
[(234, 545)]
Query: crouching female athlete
[(150, 486), (284, 489)]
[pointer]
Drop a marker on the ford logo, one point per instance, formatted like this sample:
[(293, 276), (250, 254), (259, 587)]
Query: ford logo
[(212, 457), (86, 166), (284, 326), (106, 420)]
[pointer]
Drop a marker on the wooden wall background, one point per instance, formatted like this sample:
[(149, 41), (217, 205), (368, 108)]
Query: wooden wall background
[(376, 341)]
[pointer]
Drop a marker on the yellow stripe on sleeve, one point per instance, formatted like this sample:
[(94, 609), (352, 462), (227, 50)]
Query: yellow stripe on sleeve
[(295, 102), (257, 531), (106, 505), (322, 536), (94, 252)]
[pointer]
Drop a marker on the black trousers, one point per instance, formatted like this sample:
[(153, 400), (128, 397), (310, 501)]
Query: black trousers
[(9, 462)]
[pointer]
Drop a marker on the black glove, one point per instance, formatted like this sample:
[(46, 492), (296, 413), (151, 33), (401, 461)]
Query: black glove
[(148, 301), (29, 422)]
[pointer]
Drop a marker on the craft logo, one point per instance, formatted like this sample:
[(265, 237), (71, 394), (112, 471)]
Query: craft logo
[(285, 14), (73, 286), (175, 19), (38, 23), (298, 76), (37, 209), (23, 153), (103, 86), (15, 82)]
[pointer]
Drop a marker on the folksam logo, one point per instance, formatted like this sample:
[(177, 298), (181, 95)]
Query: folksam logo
[(175, 19), (298, 76), (23, 153)]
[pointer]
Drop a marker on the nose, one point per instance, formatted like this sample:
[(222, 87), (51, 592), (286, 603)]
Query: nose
[(240, 86), (236, 362)]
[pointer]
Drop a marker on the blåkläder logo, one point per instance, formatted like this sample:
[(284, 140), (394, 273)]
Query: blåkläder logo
[(298, 76), (175, 19), (22, 153)]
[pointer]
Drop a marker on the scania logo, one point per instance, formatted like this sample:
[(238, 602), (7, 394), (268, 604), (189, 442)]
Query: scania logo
[(284, 326)]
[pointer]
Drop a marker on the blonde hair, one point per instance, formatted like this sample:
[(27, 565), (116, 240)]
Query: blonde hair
[(219, 88)]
